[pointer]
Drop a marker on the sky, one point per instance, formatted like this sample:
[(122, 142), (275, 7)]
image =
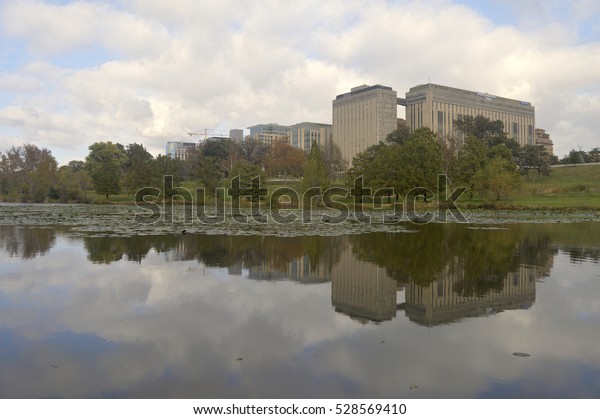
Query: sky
[(149, 71)]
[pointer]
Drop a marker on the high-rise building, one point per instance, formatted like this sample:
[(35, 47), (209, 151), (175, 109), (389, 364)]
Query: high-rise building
[(305, 134), (437, 107), (363, 117), (267, 133), (178, 150)]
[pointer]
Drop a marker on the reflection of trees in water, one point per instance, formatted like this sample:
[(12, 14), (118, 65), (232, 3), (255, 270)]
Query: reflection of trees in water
[(220, 251), (111, 249), (259, 251), (581, 255), (26, 242)]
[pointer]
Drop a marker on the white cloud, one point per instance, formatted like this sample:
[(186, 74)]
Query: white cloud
[(170, 67)]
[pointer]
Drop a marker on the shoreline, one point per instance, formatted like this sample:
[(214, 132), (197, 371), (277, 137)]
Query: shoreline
[(128, 220)]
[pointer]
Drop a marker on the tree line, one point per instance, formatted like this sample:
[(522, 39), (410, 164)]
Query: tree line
[(31, 174), (482, 157)]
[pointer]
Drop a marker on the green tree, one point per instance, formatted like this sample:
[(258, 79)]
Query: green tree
[(139, 168), (315, 172), (420, 162), (575, 157), (105, 163), (471, 159), (209, 173), (72, 184), (498, 178), (490, 132), (28, 172), (399, 136), (247, 173), (534, 158)]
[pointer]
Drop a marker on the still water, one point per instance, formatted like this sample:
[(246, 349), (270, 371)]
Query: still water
[(449, 311)]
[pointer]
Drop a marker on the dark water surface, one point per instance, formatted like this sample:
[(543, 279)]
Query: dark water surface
[(448, 311)]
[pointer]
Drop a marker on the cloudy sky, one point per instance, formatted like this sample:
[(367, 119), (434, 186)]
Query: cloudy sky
[(76, 72)]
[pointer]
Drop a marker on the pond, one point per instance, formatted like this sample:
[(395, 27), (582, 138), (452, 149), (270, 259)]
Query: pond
[(427, 311)]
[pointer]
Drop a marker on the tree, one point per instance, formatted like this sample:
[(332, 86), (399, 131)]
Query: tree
[(139, 167), (72, 184), (28, 172), (575, 157), (209, 173), (252, 151), (498, 178), (334, 161), (490, 132), (594, 155), (221, 151), (534, 158), (399, 136), (471, 159), (105, 165), (284, 160), (420, 162), (247, 173), (315, 172)]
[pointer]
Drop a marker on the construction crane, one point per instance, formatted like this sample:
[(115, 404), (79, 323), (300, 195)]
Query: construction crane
[(207, 133)]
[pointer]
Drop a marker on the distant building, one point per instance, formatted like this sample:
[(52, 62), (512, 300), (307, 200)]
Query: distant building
[(437, 107), (543, 139), (178, 150), (267, 133), (304, 134), (363, 117), (236, 134)]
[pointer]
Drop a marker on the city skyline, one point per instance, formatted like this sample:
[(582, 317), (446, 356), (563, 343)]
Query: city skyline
[(73, 73)]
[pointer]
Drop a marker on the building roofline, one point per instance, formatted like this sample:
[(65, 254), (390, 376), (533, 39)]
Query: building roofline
[(482, 94), (357, 90)]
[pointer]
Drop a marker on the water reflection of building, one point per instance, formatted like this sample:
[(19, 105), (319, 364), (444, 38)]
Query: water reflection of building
[(299, 269), (440, 301), (362, 289)]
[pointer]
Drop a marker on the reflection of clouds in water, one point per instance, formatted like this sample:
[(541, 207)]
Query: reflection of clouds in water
[(179, 332)]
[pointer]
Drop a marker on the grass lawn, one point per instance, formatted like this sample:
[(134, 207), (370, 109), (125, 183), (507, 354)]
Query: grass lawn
[(565, 187)]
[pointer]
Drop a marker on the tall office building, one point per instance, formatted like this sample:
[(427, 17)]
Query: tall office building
[(437, 107), (363, 117), (305, 134)]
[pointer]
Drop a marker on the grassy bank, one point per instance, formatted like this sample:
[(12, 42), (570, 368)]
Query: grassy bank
[(565, 187)]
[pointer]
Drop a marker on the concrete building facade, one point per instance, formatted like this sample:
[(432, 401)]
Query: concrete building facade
[(363, 117), (542, 138), (304, 134), (437, 107)]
